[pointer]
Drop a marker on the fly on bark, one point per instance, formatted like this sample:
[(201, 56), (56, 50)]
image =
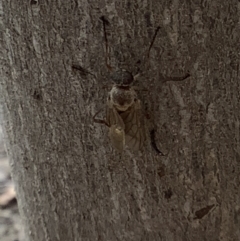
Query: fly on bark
[(124, 114)]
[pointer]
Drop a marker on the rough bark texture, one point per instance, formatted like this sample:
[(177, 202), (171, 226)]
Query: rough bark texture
[(71, 185)]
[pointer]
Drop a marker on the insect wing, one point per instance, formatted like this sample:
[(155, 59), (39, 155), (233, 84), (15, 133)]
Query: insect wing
[(134, 132), (116, 128)]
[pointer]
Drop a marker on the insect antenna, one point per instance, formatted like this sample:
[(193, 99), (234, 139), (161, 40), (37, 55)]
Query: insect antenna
[(148, 52), (105, 22), (152, 42)]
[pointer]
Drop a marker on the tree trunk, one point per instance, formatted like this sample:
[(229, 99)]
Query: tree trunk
[(71, 184)]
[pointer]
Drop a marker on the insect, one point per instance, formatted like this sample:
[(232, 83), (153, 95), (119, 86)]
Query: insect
[(123, 115), (123, 112)]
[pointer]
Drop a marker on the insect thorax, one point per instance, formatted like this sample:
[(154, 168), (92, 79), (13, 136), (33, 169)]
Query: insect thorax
[(122, 97)]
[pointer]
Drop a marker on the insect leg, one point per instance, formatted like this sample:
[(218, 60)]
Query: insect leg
[(105, 22), (176, 78), (153, 142), (83, 71), (148, 54), (152, 42), (99, 121)]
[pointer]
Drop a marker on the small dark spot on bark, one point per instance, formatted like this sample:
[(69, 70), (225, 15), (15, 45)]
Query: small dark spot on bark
[(166, 78), (89, 148), (168, 193), (153, 143), (215, 82), (80, 68), (203, 212), (104, 20), (234, 65), (37, 95), (154, 193), (161, 171), (33, 2), (148, 19), (237, 216)]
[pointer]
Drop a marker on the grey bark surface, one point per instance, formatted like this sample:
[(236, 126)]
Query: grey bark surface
[(71, 184)]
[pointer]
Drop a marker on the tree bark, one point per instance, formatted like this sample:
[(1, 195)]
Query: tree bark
[(71, 184)]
